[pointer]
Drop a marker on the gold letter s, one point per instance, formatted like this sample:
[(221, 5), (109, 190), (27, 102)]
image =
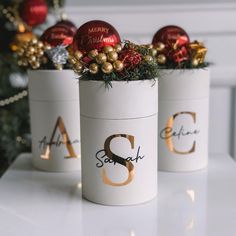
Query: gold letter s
[(118, 159)]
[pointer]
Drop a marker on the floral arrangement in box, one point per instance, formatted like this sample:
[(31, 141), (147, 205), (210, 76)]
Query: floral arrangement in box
[(176, 51), (99, 54), (50, 51)]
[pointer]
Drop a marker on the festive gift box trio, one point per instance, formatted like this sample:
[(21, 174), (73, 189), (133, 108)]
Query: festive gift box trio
[(133, 106)]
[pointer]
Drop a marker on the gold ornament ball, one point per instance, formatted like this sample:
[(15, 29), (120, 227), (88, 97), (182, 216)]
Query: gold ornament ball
[(40, 44), (118, 47), (118, 65), (195, 62), (35, 64), (93, 68), (78, 55), (31, 49), (40, 53), (93, 53), (160, 47), (47, 47), (107, 49), (78, 67), (153, 52), (32, 58), (161, 59), (72, 60), (107, 67), (101, 58), (34, 41), (20, 52), (148, 58), (149, 46), (112, 56)]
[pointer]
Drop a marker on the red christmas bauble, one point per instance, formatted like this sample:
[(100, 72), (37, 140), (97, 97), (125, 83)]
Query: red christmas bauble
[(34, 12), (58, 35), (130, 58), (175, 40), (171, 35), (95, 35), (69, 24)]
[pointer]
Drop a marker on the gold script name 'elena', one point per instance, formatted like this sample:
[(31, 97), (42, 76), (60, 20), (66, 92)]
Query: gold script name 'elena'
[(169, 134)]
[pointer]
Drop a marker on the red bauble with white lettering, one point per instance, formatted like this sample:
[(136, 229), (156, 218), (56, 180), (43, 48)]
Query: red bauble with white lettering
[(95, 35), (58, 35), (34, 12), (67, 23)]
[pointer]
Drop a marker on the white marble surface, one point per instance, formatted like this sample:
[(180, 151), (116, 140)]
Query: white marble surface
[(202, 203)]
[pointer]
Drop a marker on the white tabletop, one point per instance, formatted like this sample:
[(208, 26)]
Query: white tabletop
[(202, 203)]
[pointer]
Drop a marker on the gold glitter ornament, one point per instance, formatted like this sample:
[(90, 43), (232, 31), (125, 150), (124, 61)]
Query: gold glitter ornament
[(93, 53), (107, 67), (118, 47), (160, 46), (101, 58), (161, 59), (107, 49), (93, 68), (118, 65), (112, 56)]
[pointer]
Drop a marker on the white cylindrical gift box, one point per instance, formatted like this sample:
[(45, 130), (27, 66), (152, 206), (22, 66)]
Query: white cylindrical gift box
[(183, 121), (55, 120), (118, 141)]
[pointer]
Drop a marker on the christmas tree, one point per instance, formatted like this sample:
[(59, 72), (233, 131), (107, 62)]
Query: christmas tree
[(18, 21)]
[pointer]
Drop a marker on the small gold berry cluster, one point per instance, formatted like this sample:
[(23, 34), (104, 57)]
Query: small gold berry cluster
[(32, 54), (156, 52), (106, 61)]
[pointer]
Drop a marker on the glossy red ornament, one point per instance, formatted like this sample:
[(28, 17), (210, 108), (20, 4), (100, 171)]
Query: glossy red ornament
[(130, 58), (180, 55), (58, 35), (67, 23), (172, 36), (175, 40), (95, 35), (34, 12)]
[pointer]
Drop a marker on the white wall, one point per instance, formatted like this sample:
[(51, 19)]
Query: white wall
[(213, 23), (139, 2)]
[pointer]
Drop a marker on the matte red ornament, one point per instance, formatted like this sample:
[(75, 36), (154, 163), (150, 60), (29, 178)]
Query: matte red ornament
[(95, 35), (34, 12), (58, 35), (69, 24)]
